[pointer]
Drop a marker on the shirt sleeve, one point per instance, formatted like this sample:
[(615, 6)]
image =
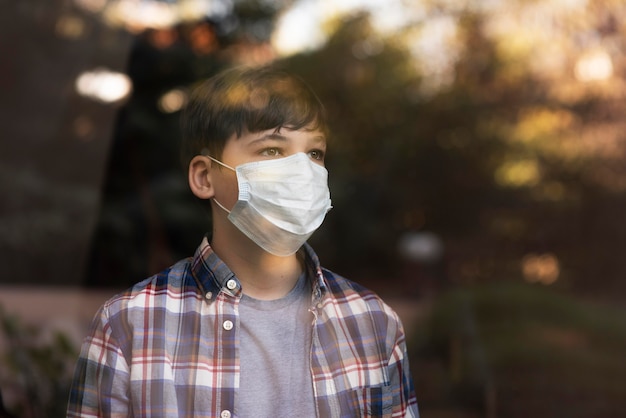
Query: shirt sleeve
[(401, 382), (100, 387)]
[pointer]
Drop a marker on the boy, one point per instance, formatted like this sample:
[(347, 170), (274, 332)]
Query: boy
[(252, 325)]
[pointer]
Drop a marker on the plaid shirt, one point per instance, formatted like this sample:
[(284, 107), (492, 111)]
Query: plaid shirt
[(168, 347)]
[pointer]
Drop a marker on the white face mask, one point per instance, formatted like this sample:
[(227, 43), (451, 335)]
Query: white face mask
[(281, 202)]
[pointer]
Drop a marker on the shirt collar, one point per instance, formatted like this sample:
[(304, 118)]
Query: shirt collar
[(314, 272), (213, 275)]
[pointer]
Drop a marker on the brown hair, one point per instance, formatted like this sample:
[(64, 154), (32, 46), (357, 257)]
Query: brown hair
[(243, 100)]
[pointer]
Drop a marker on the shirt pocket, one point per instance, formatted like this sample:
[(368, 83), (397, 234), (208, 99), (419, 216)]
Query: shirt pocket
[(370, 401)]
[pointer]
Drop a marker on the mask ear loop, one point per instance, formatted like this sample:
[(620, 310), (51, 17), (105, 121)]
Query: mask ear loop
[(221, 206), (220, 163), (224, 165)]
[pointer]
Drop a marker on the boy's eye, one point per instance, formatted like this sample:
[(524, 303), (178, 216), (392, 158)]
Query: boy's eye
[(317, 155), (271, 152)]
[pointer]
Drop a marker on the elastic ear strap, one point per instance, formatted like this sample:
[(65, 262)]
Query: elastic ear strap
[(219, 162), (221, 206)]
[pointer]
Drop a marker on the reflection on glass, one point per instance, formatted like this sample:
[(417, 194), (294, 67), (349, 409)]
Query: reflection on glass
[(103, 85), (172, 101), (594, 65), (540, 268)]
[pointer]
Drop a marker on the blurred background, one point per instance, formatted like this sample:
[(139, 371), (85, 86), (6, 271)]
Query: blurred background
[(477, 170)]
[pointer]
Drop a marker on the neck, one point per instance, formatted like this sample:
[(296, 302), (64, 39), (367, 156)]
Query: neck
[(262, 275)]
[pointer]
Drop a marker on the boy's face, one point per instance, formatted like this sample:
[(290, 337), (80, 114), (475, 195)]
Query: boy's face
[(264, 145)]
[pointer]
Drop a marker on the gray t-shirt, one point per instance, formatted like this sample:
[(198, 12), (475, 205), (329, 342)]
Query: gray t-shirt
[(275, 356)]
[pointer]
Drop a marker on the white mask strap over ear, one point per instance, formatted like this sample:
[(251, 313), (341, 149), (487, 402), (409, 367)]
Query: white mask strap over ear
[(221, 206), (225, 165), (219, 162)]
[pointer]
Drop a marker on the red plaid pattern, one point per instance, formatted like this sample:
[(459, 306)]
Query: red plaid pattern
[(168, 347)]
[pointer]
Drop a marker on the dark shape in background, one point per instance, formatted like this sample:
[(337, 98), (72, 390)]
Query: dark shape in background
[(148, 218)]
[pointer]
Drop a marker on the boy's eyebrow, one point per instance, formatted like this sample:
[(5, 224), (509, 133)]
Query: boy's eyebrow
[(279, 137), (273, 135)]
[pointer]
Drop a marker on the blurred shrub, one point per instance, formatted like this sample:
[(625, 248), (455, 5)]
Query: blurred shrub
[(518, 350), (35, 368)]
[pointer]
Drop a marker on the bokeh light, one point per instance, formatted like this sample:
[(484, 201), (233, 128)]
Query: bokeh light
[(594, 65), (541, 268), (172, 101), (104, 85)]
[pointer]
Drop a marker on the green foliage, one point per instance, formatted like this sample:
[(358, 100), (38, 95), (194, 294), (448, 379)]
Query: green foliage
[(561, 356), (35, 370), (398, 161), (494, 162)]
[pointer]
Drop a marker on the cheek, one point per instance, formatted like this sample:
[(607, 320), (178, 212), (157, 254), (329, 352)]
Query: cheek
[(227, 191), (232, 194)]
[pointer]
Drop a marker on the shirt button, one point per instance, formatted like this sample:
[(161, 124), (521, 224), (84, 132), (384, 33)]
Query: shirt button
[(208, 295), (225, 414), (228, 325), (231, 284)]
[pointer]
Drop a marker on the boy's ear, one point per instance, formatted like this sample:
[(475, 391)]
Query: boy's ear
[(200, 177)]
